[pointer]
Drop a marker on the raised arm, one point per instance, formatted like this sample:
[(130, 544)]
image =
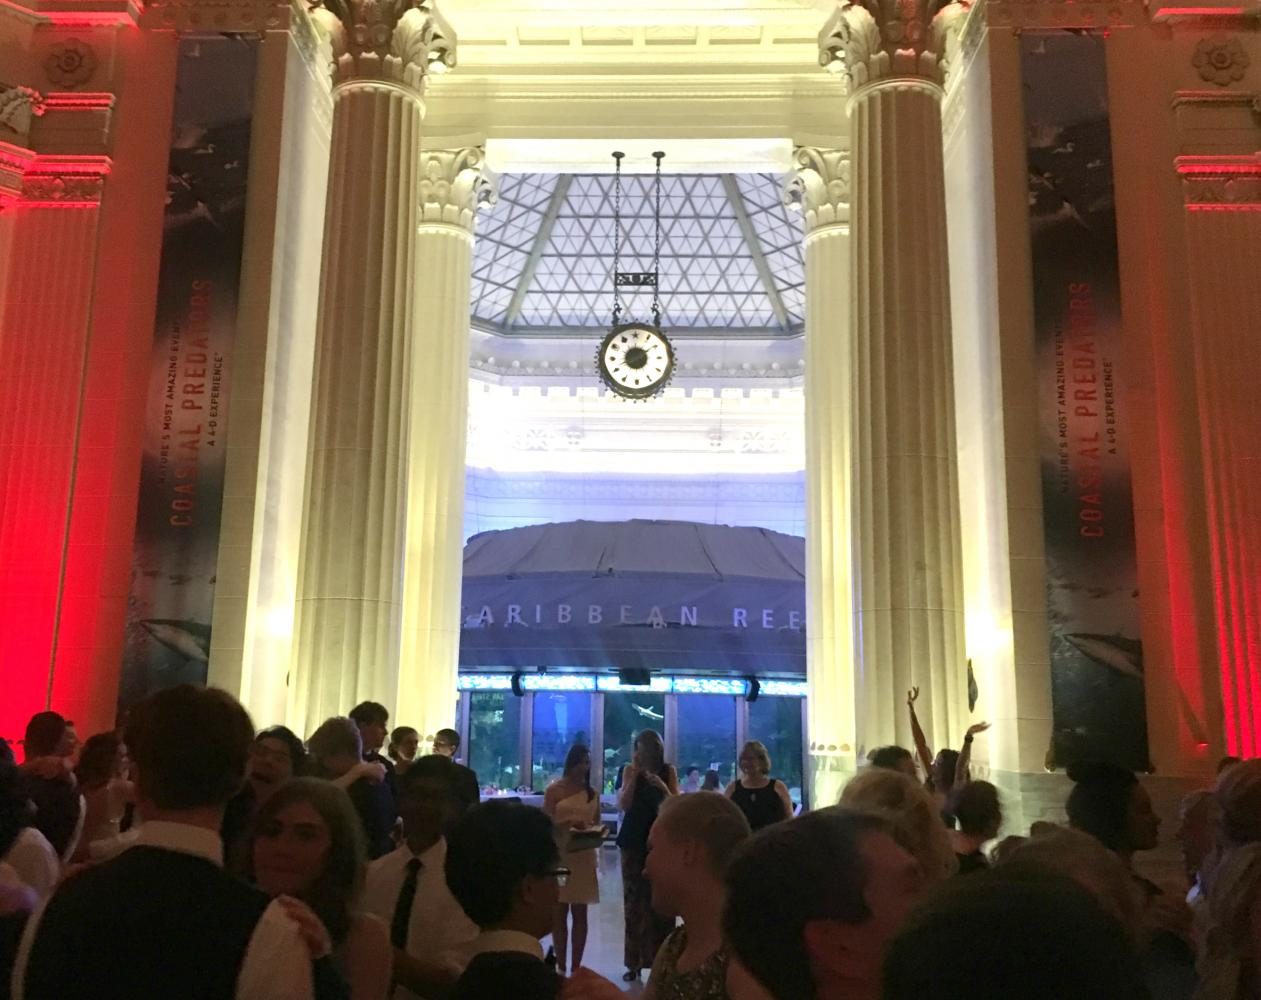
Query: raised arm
[(917, 733), (964, 764)]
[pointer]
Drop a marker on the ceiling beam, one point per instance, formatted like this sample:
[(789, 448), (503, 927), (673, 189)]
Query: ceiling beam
[(541, 239), (732, 187)]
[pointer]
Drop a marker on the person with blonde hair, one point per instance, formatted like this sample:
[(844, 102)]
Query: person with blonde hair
[(690, 847), (1228, 964), (912, 812), (763, 800)]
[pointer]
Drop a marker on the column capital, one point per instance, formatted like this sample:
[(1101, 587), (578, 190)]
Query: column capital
[(819, 187), (29, 178), (873, 40), (399, 42), (454, 184)]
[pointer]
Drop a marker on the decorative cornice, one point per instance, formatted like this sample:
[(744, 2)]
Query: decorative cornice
[(1086, 14), (83, 15), (1221, 183), (1207, 17), (872, 40), (454, 184), (54, 181), (217, 15), (398, 42), (819, 187)]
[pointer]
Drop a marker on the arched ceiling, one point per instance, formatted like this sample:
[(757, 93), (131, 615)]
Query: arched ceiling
[(731, 256)]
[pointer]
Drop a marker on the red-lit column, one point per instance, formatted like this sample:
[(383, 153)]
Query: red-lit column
[(83, 156), (1223, 228), (49, 218)]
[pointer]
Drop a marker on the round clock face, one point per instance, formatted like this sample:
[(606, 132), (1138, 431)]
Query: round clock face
[(635, 360)]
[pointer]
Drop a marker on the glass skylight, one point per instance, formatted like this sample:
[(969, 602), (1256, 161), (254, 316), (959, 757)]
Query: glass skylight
[(544, 254)]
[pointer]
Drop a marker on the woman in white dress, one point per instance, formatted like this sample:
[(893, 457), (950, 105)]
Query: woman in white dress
[(573, 805)]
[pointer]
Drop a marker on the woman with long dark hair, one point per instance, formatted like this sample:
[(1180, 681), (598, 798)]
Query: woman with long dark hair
[(307, 844), (573, 805), (102, 773), (646, 782)]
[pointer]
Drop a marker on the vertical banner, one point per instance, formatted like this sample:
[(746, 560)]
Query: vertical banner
[(181, 478), (1092, 567)]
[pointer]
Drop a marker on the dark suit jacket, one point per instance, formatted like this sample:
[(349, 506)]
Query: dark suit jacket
[(500, 975)]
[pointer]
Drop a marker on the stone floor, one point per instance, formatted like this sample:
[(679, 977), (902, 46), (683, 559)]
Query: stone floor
[(604, 939)]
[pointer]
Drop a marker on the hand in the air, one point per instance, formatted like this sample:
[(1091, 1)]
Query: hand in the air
[(977, 727), (912, 695)]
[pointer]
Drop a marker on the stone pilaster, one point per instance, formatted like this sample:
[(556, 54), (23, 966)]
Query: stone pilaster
[(895, 56), (350, 592), (820, 188), (453, 184)]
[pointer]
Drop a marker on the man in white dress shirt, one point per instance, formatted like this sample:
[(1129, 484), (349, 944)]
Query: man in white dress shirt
[(407, 888), (163, 919)]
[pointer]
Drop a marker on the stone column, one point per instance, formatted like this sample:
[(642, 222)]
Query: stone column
[(350, 591), (819, 187), (451, 188), (906, 511)]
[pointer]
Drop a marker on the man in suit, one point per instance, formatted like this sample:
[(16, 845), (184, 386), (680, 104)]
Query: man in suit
[(163, 919), (50, 743), (502, 867)]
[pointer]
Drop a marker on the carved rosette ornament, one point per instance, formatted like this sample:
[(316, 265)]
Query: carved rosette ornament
[(399, 41), (873, 40), (454, 184), (819, 187)]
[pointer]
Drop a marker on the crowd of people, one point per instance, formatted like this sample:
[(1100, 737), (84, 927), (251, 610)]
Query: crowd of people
[(191, 855)]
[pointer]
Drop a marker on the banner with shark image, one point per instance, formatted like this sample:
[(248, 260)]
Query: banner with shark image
[(181, 479), (1088, 510)]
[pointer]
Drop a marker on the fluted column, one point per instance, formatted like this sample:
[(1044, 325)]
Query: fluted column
[(350, 591), (906, 512), (452, 186), (819, 187)]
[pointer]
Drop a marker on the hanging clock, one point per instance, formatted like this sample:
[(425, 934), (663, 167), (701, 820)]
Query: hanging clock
[(635, 360)]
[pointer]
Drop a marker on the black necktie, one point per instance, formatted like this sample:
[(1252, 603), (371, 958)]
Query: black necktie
[(403, 908)]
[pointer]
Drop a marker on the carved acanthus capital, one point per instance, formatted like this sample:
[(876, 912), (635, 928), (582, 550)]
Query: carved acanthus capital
[(871, 40), (18, 107), (402, 41), (819, 186), (454, 184)]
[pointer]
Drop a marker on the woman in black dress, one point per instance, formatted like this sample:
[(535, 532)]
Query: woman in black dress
[(763, 800), (646, 781)]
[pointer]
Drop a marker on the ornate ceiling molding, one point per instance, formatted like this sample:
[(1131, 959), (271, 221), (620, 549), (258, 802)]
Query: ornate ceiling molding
[(819, 187), (1019, 14), (874, 40), (218, 15)]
